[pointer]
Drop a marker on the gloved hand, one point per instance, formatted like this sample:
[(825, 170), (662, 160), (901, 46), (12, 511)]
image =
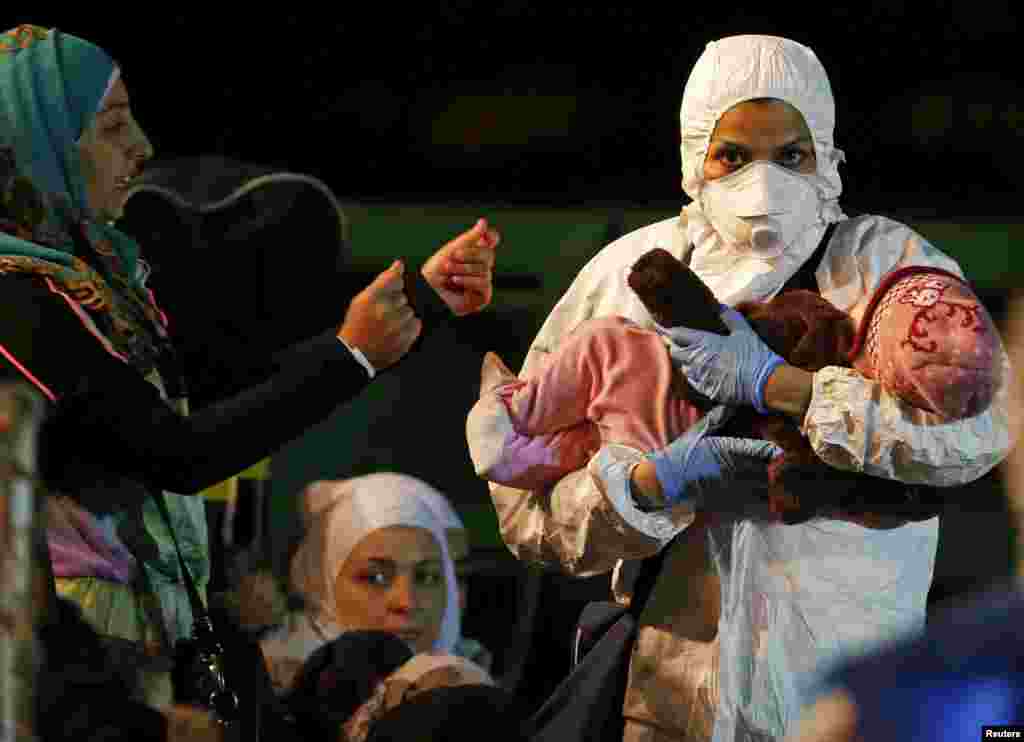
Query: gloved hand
[(696, 464), (730, 369)]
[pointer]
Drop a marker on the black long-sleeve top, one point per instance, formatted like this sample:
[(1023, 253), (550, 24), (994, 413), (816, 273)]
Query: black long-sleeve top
[(108, 419)]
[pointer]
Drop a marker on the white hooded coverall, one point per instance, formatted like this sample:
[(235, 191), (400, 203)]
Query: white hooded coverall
[(793, 598)]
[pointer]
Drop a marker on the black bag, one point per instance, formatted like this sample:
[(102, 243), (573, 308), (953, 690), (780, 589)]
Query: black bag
[(222, 669), (587, 705)]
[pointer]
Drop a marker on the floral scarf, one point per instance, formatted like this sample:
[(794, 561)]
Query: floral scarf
[(45, 229)]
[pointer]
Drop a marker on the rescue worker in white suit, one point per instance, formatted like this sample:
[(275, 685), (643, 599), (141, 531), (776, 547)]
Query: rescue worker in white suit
[(759, 164)]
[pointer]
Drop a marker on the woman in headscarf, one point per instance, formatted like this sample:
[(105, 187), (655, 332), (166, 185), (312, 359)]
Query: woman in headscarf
[(745, 612), (375, 556), (78, 323)]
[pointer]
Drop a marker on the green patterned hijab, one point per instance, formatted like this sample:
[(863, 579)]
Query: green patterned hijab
[(51, 86)]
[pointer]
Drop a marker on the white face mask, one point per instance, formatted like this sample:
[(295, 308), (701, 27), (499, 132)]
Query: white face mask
[(762, 206)]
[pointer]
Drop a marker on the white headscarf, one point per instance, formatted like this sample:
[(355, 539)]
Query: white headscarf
[(731, 71), (443, 509), (339, 515)]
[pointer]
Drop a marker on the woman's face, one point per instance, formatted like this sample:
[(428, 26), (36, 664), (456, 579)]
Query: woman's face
[(112, 151), (770, 130), (394, 581)]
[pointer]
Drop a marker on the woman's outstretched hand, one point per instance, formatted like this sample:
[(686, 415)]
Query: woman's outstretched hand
[(462, 272), (379, 321)]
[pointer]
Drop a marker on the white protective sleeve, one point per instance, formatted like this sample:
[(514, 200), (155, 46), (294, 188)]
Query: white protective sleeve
[(852, 423)]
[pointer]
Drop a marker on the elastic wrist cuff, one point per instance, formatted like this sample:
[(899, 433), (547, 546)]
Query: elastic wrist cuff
[(762, 382), (674, 487)]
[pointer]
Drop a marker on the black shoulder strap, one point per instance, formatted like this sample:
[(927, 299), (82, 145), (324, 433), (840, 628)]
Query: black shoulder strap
[(804, 276), (195, 601)]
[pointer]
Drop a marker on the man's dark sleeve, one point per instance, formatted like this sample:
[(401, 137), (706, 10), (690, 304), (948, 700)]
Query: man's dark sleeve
[(107, 414)]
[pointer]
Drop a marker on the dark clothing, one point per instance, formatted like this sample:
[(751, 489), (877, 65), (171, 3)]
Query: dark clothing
[(82, 692), (110, 419), (110, 440)]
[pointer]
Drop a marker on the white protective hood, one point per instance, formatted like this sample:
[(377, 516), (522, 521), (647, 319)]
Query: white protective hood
[(731, 71)]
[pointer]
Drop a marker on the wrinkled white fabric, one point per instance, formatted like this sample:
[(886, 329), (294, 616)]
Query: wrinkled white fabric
[(339, 515), (797, 599)]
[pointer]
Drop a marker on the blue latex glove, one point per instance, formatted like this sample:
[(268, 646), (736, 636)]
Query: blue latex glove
[(730, 369), (696, 464)]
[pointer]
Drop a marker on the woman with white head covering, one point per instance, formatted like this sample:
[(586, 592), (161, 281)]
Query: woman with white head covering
[(375, 556), (746, 612)]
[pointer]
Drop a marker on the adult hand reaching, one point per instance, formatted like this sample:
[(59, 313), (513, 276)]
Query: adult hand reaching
[(379, 321), (729, 369), (461, 272)]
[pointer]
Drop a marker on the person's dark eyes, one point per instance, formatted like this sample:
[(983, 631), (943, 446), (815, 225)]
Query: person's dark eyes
[(793, 158), (731, 156)]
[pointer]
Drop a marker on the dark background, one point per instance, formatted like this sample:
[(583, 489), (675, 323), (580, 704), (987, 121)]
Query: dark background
[(538, 102), (555, 105)]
